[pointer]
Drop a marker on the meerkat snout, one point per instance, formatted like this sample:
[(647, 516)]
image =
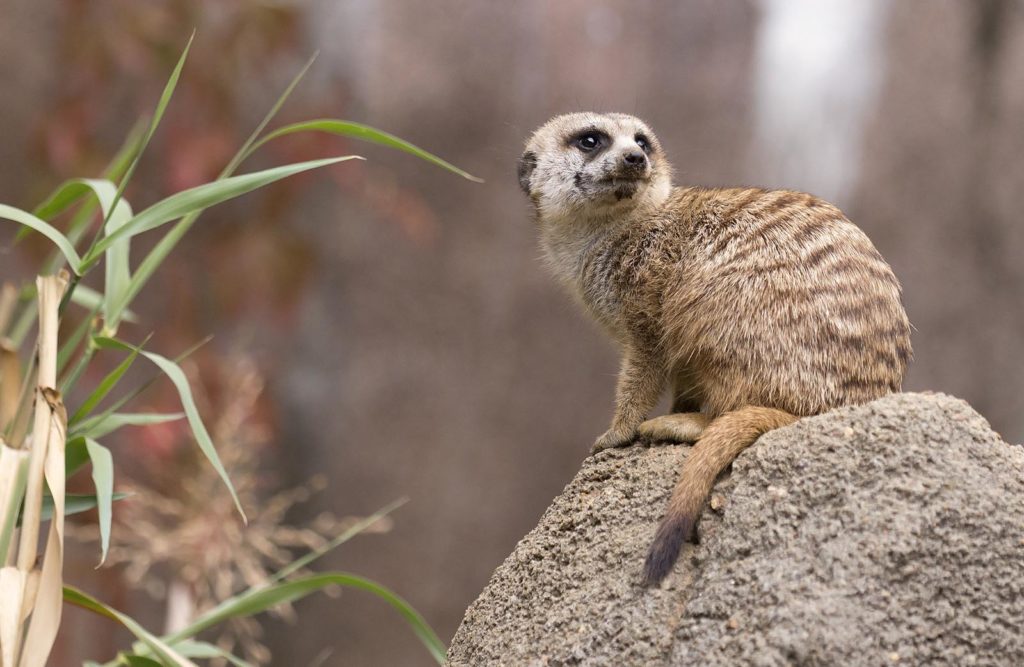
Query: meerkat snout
[(634, 160)]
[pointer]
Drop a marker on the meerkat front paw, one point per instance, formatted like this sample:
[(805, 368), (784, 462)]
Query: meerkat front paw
[(676, 427), (612, 438)]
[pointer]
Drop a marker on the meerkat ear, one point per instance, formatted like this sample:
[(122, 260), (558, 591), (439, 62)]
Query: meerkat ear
[(527, 163)]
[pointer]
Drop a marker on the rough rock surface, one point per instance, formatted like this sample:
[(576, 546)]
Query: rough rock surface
[(887, 533)]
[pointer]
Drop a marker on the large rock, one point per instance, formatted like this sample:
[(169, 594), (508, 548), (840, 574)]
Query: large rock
[(888, 533)]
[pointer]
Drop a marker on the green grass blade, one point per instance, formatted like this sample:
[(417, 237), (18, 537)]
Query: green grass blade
[(103, 478), (74, 503), (87, 298), (177, 377), (117, 212), (108, 383), (75, 455), (71, 191), (66, 195), (201, 197), (104, 424), (68, 347), (15, 464), (193, 649), (139, 661), (29, 308), (145, 270), (166, 654), (163, 248), (259, 600), (68, 382), (245, 151), (78, 226), (90, 299), (79, 599), (113, 171), (47, 230), (141, 387), (362, 132), (158, 114), (345, 536), (117, 271)]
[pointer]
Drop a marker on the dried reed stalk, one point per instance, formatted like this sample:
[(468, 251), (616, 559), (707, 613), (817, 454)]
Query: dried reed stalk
[(29, 594)]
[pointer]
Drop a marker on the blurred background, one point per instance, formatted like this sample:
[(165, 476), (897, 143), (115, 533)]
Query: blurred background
[(405, 336)]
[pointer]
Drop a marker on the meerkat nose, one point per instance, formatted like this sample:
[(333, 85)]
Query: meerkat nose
[(634, 159)]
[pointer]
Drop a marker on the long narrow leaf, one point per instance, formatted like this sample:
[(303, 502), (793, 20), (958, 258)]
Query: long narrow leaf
[(201, 197), (75, 455), (106, 385), (116, 269), (245, 151), (69, 345), (78, 226), (74, 503), (103, 478), (144, 271), (166, 654), (47, 230), (256, 601), (90, 299), (345, 536), (141, 387), (114, 170), (165, 98), (177, 377), (13, 476), (193, 649), (70, 192), (69, 380), (362, 132), (103, 424), (139, 661), (116, 212), (118, 274)]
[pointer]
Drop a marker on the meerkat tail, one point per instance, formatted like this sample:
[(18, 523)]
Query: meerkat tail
[(719, 444)]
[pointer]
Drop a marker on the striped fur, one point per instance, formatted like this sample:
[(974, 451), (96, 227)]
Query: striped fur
[(752, 306)]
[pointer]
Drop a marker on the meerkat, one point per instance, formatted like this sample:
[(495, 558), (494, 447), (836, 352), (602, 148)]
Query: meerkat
[(754, 307)]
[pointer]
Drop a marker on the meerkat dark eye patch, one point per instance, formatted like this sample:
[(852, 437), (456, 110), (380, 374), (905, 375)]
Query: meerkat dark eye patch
[(589, 140), (643, 142), (527, 163)]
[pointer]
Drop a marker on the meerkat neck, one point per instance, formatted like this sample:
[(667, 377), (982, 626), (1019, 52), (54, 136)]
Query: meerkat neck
[(568, 242)]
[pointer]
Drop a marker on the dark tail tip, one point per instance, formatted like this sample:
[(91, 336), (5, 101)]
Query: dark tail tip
[(664, 551)]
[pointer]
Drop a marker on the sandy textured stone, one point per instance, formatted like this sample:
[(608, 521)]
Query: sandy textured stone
[(888, 533)]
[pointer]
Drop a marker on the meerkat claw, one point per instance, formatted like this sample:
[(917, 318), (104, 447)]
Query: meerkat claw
[(610, 440), (677, 427)]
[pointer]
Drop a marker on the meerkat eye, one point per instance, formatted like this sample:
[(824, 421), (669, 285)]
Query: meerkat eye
[(588, 142), (643, 143)]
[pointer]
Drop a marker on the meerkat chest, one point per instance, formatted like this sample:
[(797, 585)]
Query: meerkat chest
[(596, 271)]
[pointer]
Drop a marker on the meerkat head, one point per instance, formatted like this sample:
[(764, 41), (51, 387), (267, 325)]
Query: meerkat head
[(593, 164)]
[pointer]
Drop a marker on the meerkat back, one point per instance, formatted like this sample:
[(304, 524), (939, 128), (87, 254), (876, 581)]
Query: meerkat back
[(785, 303)]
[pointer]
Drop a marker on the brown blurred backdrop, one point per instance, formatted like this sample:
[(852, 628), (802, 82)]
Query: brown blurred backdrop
[(411, 342)]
